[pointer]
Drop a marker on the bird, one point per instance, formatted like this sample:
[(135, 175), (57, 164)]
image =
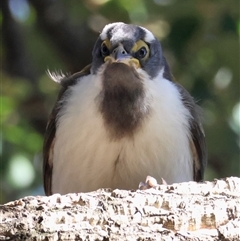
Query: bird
[(122, 118)]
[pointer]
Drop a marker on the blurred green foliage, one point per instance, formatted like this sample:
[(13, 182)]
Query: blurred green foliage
[(200, 40)]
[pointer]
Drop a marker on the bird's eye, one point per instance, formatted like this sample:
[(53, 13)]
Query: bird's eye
[(104, 50), (141, 53)]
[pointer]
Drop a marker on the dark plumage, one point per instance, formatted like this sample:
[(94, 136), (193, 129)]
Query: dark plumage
[(124, 96)]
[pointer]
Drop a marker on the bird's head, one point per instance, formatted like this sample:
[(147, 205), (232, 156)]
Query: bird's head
[(125, 58), (127, 47)]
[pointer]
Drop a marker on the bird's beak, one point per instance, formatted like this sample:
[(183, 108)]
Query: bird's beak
[(120, 55)]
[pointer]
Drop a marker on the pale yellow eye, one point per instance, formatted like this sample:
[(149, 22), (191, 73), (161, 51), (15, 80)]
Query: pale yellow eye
[(104, 50), (141, 53), (105, 47), (141, 50)]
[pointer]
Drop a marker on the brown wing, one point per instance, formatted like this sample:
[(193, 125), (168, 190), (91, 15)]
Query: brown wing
[(49, 138), (197, 143)]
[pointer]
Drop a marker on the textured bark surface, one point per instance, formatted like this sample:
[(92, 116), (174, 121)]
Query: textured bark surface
[(186, 211)]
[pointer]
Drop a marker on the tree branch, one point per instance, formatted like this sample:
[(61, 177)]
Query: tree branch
[(185, 211)]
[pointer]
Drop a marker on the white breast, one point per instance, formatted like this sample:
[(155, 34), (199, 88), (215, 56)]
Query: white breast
[(85, 158)]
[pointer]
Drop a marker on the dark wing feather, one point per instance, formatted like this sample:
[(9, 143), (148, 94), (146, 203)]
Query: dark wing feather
[(49, 138), (198, 145)]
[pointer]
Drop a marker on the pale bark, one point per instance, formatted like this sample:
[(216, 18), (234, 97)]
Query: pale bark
[(186, 211)]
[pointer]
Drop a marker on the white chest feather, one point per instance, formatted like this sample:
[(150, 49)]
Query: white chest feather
[(85, 158)]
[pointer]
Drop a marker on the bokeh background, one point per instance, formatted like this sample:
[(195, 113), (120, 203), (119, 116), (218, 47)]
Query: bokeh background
[(200, 40)]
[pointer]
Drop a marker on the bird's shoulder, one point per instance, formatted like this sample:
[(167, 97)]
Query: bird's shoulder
[(68, 80), (197, 142), (49, 138)]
